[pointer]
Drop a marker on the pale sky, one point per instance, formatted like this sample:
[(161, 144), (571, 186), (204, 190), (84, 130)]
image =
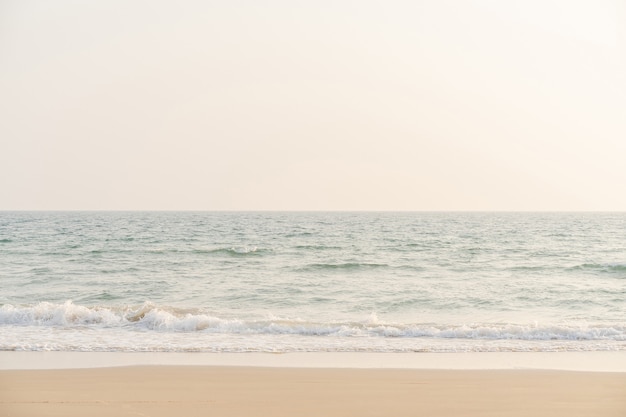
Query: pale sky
[(313, 105)]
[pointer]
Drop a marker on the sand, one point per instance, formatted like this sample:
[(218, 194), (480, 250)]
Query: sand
[(249, 391)]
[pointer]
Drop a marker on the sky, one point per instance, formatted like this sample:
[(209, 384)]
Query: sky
[(313, 105)]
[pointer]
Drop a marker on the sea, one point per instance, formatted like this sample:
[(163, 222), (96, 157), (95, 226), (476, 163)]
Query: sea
[(312, 282)]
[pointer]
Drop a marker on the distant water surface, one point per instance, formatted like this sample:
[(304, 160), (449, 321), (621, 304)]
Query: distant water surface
[(339, 281)]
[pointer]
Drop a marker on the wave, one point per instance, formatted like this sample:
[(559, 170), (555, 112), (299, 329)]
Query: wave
[(150, 317), (231, 251), (299, 234), (603, 267), (344, 265), (317, 247), (101, 296), (234, 251)]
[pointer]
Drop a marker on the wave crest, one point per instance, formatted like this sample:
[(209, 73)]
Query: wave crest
[(169, 319)]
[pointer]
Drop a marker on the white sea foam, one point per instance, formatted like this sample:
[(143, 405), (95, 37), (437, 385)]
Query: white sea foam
[(163, 320), (66, 314)]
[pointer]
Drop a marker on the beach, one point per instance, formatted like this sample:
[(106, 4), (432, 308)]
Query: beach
[(312, 314), (273, 391)]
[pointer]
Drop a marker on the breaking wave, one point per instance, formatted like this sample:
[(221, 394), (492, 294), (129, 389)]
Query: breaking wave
[(150, 317)]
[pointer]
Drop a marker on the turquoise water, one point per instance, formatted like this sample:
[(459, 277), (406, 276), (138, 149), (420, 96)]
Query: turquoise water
[(282, 282)]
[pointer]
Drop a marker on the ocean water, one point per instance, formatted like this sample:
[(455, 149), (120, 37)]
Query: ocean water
[(312, 282)]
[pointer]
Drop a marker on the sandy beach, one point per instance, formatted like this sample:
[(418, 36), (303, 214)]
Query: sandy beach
[(247, 391)]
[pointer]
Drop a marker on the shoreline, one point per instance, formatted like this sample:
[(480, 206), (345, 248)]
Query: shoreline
[(598, 361), (278, 391)]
